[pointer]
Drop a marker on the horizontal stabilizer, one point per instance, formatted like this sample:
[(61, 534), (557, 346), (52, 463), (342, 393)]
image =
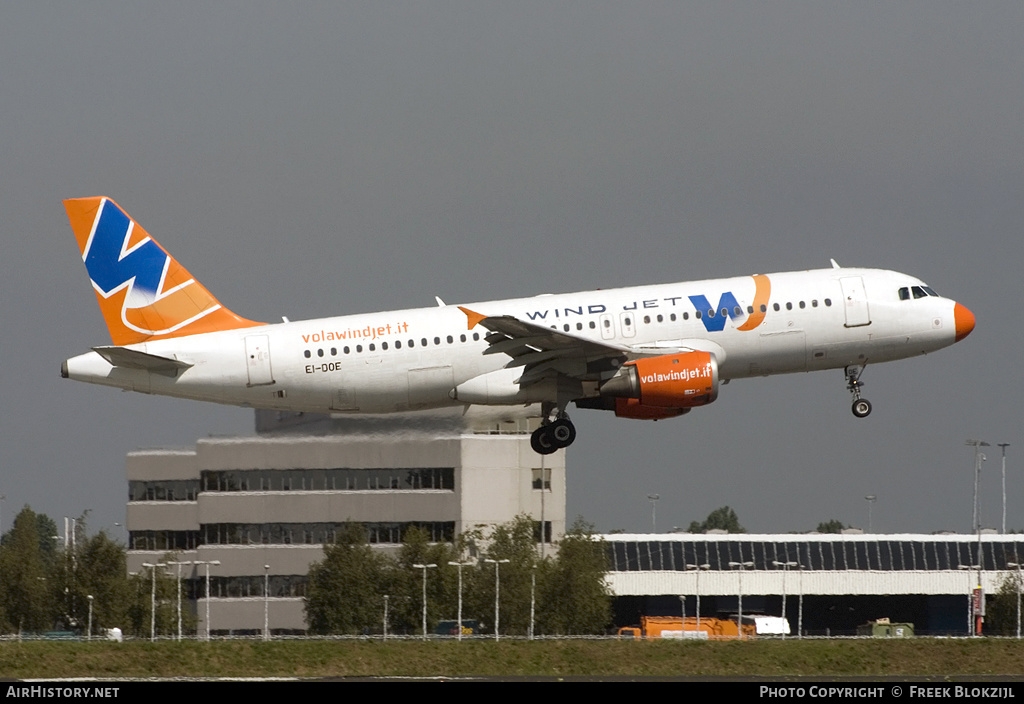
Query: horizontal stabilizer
[(134, 359)]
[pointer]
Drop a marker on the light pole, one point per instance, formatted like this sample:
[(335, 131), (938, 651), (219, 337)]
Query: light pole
[(207, 563), (1017, 566), (497, 591), (152, 597), (266, 602), (460, 565), (785, 568), (533, 597), (871, 499), (699, 568), (970, 595), (653, 498), (179, 564), (1003, 446), (425, 568), (800, 607), (385, 617), (740, 566), (979, 457), (89, 597)]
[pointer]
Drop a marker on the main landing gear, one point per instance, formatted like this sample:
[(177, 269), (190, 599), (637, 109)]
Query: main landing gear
[(552, 436), (861, 406)]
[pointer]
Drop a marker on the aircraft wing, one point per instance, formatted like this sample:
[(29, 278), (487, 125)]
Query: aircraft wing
[(543, 352)]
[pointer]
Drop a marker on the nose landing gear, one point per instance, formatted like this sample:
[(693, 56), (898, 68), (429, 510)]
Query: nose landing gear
[(861, 406)]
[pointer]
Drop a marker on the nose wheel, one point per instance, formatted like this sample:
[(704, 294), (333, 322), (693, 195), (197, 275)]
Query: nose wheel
[(553, 436), (861, 406)]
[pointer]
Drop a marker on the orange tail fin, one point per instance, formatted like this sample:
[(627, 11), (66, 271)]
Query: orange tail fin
[(143, 292)]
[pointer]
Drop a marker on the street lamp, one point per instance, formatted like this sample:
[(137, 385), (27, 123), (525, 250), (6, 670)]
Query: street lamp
[(970, 594), (1017, 566), (1003, 446), (871, 499), (266, 602), (740, 566), (89, 597), (385, 617), (460, 565), (653, 498), (425, 568), (785, 568), (179, 564), (152, 597), (207, 563), (497, 591), (699, 568)]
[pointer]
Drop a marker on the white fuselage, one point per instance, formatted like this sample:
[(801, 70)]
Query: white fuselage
[(416, 359)]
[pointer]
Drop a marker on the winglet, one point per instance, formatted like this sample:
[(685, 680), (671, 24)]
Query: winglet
[(472, 317), (835, 264)]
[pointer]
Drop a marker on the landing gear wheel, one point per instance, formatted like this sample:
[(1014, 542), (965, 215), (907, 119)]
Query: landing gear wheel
[(563, 432), (861, 408), (542, 441)]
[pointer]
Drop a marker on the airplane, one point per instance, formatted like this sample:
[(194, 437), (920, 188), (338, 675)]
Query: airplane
[(644, 352)]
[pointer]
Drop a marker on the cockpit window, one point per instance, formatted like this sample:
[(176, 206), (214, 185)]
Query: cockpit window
[(906, 292)]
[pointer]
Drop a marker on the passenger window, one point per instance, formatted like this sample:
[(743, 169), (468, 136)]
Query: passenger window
[(661, 318), (672, 317), (579, 326), (647, 320), (307, 354), (371, 348), (476, 336), (750, 310), (828, 302), (437, 341), (697, 315), (593, 326), (686, 316), (776, 307), (398, 344), (384, 345), (764, 308), (450, 340), (462, 338), (346, 350), (359, 348), (319, 353), (334, 351), (814, 303), (789, 306), (802, 304)]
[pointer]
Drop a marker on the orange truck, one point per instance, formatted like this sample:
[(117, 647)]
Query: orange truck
[(678, 628)]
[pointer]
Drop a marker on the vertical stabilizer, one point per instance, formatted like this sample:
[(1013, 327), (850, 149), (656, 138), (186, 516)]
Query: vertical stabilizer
[(143, 292)]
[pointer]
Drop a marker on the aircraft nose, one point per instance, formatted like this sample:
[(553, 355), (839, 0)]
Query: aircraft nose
[(964, 321)]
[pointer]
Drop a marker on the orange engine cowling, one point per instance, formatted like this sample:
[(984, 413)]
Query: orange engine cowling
[(665, 386)]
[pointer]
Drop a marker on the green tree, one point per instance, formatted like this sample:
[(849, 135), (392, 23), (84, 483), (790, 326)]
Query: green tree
[(575, 598), (1001, 607), (407, 582), (514, 541), (832, 526), (723, 518), (28, 592), (346, 588)]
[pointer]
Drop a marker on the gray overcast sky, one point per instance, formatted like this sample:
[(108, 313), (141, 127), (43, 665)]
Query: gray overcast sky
[(314, 159)]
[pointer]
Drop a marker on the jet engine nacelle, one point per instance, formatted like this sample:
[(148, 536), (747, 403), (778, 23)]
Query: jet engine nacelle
[(665, 386)]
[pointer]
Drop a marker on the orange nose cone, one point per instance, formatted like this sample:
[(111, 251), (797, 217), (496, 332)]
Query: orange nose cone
[(964, 320)]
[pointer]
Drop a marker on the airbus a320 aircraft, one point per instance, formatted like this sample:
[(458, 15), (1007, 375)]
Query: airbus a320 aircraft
[(648, 352)]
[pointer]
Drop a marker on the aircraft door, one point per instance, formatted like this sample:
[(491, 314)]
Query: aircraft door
[(607, 327), (855, 301), (628, 320), (257, 360)]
